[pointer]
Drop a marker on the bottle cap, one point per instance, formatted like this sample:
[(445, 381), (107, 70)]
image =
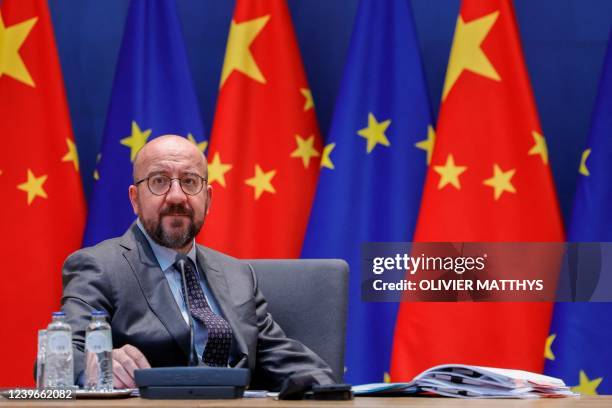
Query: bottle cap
[(99, 313), (58, 314)]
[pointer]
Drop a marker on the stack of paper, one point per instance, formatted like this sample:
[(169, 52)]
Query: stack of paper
[(464, 381)]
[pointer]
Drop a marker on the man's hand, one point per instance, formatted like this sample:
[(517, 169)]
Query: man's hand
[(125, 360)]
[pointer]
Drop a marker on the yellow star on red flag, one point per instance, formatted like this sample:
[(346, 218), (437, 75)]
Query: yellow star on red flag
[(449, 173), (34, 186), (305, 149), (539, 147), (261, 181), (72, 155), (11, 40), (238, 56), (466, 52), (217, 170), (501, 181), (308, 101)]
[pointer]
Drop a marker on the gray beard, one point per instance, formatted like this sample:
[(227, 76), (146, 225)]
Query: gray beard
[(168, 240)]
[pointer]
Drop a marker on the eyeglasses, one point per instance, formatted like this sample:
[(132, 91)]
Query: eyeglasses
[(159, 184)]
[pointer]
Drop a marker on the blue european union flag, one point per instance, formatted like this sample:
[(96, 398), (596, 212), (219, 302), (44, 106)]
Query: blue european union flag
[(579, 349), (373, 168), (153, 94)]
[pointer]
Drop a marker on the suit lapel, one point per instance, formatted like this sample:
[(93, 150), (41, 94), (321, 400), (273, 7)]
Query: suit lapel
[(218, 286), (155, 286)]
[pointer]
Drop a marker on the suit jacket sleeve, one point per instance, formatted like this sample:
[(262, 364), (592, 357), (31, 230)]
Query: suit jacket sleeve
[(86, 288), (280, 357)]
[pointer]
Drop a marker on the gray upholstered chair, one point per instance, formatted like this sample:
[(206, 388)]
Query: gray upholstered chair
[(308, 298)]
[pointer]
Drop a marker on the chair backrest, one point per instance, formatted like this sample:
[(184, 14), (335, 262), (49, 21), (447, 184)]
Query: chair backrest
[(308, 298)]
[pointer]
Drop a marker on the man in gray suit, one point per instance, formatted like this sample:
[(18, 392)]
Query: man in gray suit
[(135, 279)]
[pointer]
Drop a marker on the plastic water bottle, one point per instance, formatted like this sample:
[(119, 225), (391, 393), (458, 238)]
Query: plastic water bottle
[(98, 354), (59, 368), (40, 359)]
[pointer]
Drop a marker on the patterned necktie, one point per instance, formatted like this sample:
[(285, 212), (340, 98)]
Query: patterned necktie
[(216, 352)]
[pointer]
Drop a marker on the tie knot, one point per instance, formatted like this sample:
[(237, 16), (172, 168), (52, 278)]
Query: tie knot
[(184, 261)]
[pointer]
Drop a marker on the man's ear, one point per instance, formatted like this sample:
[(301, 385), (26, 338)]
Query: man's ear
[(133, 194), (209, 195)]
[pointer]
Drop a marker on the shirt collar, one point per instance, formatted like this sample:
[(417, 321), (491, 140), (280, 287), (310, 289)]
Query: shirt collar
[(165, 256)]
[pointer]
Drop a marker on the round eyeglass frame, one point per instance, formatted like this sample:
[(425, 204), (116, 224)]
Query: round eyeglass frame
[(171, 179)]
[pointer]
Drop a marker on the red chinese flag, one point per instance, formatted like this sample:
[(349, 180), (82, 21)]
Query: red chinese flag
[(489, 180), (265, 144), (43, 208)]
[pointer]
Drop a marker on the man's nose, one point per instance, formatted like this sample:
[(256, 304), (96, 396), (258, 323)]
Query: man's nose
[(176, 194)]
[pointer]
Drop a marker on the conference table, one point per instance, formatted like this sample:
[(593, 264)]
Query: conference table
[(425, 402)]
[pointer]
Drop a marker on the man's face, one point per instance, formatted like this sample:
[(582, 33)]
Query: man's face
[(175, 218)]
